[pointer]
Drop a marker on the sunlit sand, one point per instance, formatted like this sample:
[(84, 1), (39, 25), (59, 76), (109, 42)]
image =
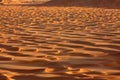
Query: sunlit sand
[(59, 43)]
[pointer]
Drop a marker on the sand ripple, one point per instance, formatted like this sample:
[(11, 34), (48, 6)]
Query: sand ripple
[(89, 51)]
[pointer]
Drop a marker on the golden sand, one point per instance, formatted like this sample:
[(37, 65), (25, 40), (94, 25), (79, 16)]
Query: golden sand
[(59, 43)]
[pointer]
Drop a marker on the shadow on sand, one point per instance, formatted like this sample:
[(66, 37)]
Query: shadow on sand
[(109, 4), (85, 3)]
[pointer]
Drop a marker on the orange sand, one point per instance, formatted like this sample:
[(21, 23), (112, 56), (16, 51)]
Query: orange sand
[(59, 43)]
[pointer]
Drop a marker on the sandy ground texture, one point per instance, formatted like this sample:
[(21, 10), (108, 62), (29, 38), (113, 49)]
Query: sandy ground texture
[(59, 43)]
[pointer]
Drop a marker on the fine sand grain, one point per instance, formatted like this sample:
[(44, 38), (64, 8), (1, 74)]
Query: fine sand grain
[(59, 43)]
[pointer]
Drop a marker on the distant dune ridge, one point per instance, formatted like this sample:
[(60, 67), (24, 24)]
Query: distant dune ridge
[(87, 3), (23, 1)]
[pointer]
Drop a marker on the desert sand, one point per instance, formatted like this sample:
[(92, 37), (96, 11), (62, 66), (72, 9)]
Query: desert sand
[(59, 43)]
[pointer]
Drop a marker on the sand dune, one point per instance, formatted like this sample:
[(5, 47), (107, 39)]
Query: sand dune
[(59, 43), (71, 3)]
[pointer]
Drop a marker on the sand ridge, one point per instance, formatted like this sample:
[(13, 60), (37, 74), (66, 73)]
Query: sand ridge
[(63, 43)]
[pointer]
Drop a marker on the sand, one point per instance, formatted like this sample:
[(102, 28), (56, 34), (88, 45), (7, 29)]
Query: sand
[(59, 43)]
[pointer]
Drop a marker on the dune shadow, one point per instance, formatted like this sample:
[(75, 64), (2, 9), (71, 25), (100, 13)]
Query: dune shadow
[(84, 3)]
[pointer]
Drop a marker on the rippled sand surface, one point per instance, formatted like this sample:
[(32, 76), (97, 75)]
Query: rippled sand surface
[(57, 43)]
